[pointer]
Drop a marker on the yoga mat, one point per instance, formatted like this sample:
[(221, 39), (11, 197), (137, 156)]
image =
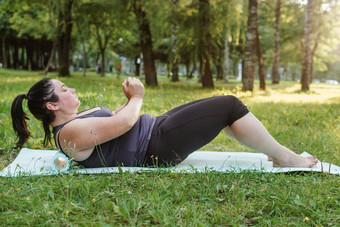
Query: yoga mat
[(38, 162)]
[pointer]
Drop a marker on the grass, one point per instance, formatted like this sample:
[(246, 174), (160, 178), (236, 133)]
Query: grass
[(302, 121)]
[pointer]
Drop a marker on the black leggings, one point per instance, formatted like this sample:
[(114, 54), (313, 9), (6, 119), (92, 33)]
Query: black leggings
[(186, 128)]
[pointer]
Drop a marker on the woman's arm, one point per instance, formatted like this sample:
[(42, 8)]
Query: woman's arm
[(85, 133), (120, 108)]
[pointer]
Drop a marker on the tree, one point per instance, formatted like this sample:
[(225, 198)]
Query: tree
[(262, 75), (5, 34), (307, 54), (145, 43), (28, 34), (276, 61), (100, 17), (174, 30), (226, 65), (218, 55), (237, 27), (248, 74), (204, 43), (323, 33), (129, 46), (82, 22), (64, 36), (55, 32), (224, 20), (186, 35), (229, 20)]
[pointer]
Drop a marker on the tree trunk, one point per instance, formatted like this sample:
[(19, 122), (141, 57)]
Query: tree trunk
[(83, 48), (187, 68), (145, 43), (15, 55), (85, 61), (64, 39), (22, 57), (207, 80), (191, 75), (174, 68), (168, 67), (102, 48), (204, 44), (29, 51), (262, 75), (219, 68), (307, 54), (102, 54), (248, 72), (276, 60), (50, 60), (174, 71), (47, 47), (226, 65), (32, 55), (200, 71), (316, 42), (1, 53), (5, 52), (137, 66), (218, 59), (36, 55), (235, 65)]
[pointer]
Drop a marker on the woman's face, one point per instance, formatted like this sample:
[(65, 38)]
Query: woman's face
[(67, 98)]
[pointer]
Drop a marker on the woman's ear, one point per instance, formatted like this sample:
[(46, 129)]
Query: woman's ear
[(52, 106)]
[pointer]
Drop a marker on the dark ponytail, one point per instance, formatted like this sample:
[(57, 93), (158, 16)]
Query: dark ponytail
[(37, 97), (19, 118)]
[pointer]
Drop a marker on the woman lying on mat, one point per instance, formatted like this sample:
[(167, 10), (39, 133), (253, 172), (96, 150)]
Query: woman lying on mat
[(100, 137)]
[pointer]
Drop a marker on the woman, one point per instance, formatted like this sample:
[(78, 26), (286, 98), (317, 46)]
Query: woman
[(99, 137)]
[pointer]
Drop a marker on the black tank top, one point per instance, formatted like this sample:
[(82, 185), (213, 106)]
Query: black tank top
[(127, 150)]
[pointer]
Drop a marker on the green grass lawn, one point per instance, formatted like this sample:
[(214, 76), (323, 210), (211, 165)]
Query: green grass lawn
[(301, 121)]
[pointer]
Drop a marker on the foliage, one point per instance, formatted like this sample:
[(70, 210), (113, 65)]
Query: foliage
[(38, 20), (33, 19)]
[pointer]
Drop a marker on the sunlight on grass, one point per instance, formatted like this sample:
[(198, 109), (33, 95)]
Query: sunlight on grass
[(18, 79), (292, 94)]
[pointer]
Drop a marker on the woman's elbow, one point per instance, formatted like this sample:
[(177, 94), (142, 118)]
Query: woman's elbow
[(129, 122)]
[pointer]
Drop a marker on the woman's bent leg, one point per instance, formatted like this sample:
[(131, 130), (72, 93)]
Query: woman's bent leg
[(189, 127), (249, 131)]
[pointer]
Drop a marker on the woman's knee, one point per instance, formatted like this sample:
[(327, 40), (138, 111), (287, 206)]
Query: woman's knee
[(230, 100), (236, 108)]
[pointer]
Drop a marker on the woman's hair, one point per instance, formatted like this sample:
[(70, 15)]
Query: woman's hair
[(37, 97)]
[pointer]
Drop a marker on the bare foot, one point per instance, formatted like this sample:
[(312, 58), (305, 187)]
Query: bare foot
[(297, 161)]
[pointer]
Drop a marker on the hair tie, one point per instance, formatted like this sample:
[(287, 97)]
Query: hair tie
[(26, 96)]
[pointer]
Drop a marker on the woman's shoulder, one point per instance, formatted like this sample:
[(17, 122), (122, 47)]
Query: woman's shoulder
[(95, 111), (87, 111), (98, 111)]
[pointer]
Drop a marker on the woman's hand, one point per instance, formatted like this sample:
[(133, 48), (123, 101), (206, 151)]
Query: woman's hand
[(133, 87)]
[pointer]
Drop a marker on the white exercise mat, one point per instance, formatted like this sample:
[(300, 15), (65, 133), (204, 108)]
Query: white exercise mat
[(37, 162)]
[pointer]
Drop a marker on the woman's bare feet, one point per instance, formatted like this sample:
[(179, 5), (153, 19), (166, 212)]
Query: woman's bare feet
[(298, 161), (295, 160)]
